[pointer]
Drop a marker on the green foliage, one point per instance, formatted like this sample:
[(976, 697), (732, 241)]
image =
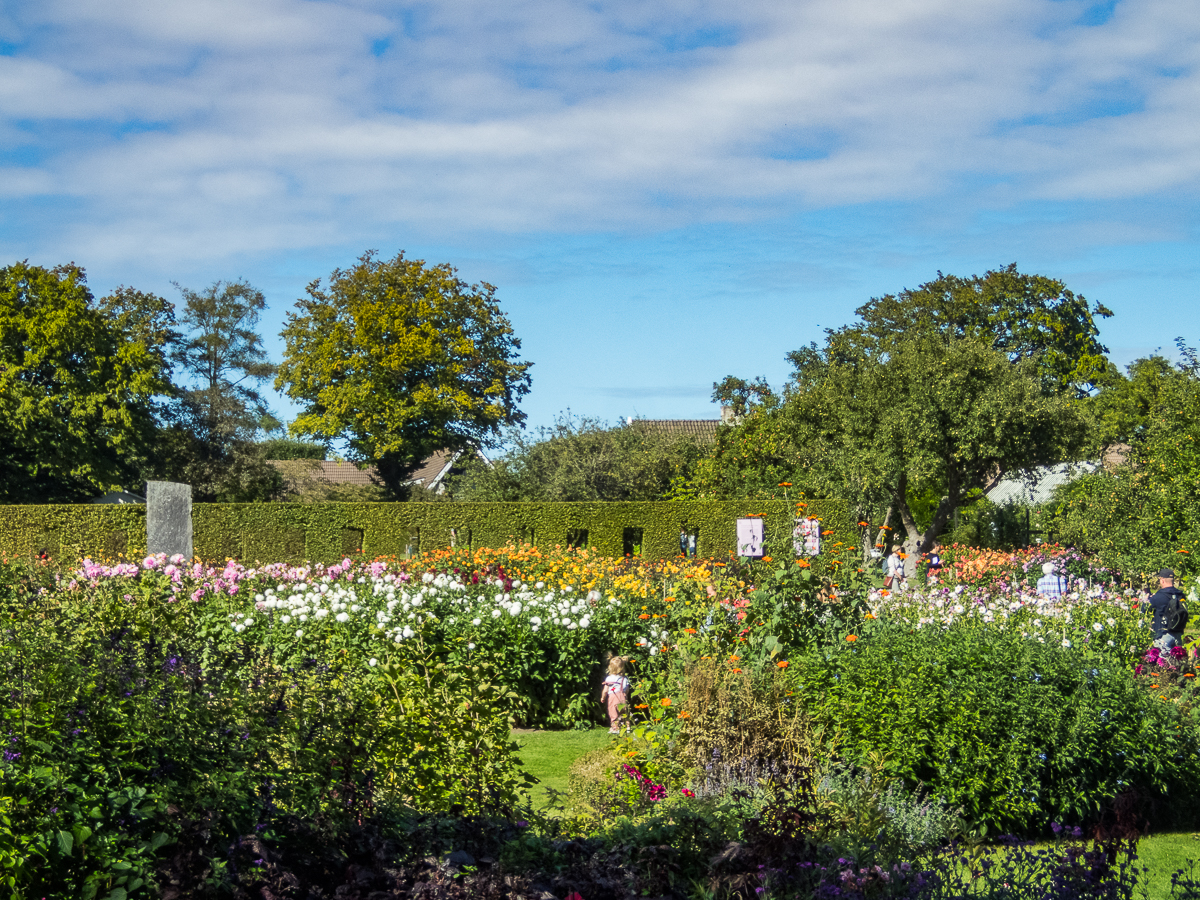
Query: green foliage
[(287, 448), (1145, 515), (581, 460), (926, 400), (1015, 732), (1025, 317), (326, 532), (757, 457), (401, 359), (130, 715), (217, 417), (78, 382), (931, 415)]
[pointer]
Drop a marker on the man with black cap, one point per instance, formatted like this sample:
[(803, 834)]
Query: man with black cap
[(1170, 615)]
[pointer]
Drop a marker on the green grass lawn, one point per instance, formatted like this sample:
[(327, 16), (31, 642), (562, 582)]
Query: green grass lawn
[(1162, 854), (547, 755)]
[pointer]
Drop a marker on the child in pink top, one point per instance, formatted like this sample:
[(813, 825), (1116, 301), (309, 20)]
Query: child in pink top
[(614, 693)]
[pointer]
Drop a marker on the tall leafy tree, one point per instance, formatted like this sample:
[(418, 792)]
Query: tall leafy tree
[(221, 409), (582, 459), (1025, 317), (1145, 513), (401, 359), (948, 416), (79, 382), (930, 396)]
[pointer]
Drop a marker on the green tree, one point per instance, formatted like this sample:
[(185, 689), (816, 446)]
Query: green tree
[(1023, 316), (951, 415), (927, 399), (581, 459), (1144, 514), (400, 359), (221, 411), (78, 384)]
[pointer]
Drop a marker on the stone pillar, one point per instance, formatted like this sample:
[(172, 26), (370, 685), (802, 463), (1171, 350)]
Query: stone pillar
[(169, 518)]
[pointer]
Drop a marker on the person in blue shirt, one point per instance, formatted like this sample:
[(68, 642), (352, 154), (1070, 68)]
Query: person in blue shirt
[(1051, 584)]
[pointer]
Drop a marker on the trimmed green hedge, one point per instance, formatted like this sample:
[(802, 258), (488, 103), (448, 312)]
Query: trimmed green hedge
[(324, 532)]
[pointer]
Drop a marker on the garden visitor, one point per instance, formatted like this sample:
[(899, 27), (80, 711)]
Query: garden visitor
[(1170, 615), (895, 571), (1051, 585), (615, 692), (934, 572)]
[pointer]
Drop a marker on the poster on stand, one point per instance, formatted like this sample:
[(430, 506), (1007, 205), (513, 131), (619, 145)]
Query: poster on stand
[(750, 537), (806, 537)]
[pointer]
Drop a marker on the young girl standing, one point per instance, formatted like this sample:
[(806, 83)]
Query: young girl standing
[(614, 693)]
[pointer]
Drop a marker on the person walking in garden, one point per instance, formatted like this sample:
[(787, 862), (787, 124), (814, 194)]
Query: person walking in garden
[(934, 573), (615, 692), (1170, 614), (895, 571), (1051, 585)]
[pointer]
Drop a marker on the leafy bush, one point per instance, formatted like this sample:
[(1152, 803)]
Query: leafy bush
[(1016, 732), (140, 724)]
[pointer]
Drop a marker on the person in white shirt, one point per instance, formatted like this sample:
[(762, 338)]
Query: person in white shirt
[(895, 570), (615, 692)]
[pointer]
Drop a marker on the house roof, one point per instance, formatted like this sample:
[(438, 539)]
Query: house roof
[(1037, 485), (705, 429), (430, 473), (324, 470)]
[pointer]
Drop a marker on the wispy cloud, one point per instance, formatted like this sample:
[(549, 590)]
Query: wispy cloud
[(228, 127)]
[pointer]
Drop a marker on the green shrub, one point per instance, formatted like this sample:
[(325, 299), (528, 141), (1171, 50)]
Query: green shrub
[(1015, 732), (136, 719)]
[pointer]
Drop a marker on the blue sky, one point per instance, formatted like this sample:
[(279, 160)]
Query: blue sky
[(664, 193)]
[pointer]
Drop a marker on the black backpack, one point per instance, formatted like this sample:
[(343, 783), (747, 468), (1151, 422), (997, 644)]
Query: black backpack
[(1175, 615)]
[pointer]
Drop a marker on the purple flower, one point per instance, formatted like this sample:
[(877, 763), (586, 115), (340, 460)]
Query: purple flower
[(1178, 652), (11, 755), (1056, 828)]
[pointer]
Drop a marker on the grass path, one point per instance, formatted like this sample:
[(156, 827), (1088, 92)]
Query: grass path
[(547, 755)]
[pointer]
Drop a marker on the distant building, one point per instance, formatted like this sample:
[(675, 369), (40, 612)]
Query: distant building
[(313, 473), (1037, 486)]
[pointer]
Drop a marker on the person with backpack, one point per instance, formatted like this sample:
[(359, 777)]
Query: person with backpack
[(1170, 613)]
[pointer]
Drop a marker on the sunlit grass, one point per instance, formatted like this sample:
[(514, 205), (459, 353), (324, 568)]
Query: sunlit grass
[(547, 755)]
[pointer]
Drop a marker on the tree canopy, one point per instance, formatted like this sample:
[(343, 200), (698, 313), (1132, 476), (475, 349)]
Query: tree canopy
[(220, 410), (401, 359), (1144, 514), (78, 383), (926, 400), (582, 459), (1023, 316)]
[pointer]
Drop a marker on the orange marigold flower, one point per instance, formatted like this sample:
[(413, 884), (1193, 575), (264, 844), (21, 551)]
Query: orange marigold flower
[(734, 658), (803, 563), (737, 671), (767, 559), (785, 484), (689, 631), (684, 714), (644, 616), (782, 664), (1190, 675), (852, 638), (665, 701), (642, 706)]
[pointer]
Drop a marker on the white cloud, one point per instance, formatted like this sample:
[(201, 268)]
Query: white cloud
[(253, 126)]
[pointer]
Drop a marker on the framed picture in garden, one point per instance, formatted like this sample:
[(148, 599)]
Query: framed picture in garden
[(806, 537), (750, 537)]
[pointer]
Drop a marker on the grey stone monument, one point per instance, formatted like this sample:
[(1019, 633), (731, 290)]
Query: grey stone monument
[(169, 518)]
